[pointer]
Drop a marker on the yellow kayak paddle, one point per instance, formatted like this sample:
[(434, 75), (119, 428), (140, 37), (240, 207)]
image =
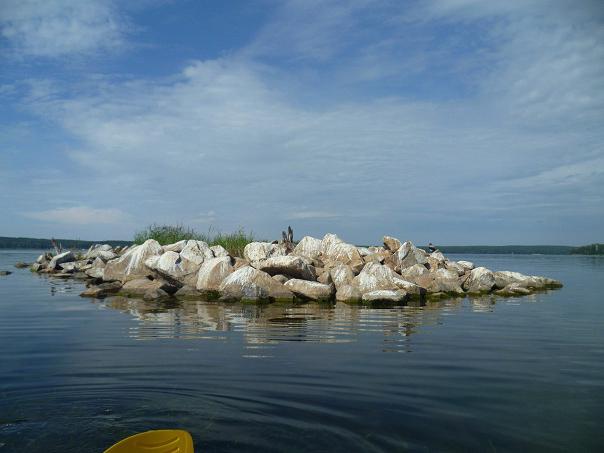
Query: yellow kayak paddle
[(160, 441)]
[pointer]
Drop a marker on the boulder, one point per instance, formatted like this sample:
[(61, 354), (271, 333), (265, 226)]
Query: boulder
[(376, 276), (364, 251), (513, 289), (374, 258), (467, 265), (440, 281), (348, 293), (308, 247), (213, 272), (341, 275), (196, 252), (334, 250), (392, 244), (174, 268), (455, 267), (102, 290), (385, 295), (131, 265), (310, 290), (292, 266), (281, 278), (188, 292), (155, 294), (105, 252), (68, 267), (61, 258), (138, 287), (219, 251), (252, 284), (176, 247), (412, 273), (407, 255), (325, 278), (505, 278), (257, 251), (480, 280), (437, 255)]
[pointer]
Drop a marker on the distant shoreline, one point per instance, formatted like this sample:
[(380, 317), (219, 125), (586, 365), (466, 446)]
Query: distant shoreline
[(40, 243)]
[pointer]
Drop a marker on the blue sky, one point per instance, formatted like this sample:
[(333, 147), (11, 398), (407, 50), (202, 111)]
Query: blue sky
[(451, 121)]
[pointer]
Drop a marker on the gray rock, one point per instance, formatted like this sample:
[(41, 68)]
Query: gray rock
[(174, 268), (102, 290), (334, 250), (385, 295), (407, 255), (219, 251), (441, 281), (467, 265), (188, 292), (310, 290), (480, 280), (412, 273), (155, 294), (280, 278), (392, 244), (196, 252), (257, 251), (4, 273), (292, 266), (376, 276), (131, 265), (213, 272), (348, 293), (252, 284), (176, 247), (61, 258), (138, 287), (308, 247), (341, 275), (21, 265)]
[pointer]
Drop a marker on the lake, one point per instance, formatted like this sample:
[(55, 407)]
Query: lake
[(481, 374)]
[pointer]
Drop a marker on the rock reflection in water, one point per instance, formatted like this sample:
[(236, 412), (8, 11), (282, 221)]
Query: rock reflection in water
[(276, 323)]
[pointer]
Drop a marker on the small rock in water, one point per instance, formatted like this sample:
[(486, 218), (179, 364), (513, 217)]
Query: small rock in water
[(21, 265), (5, 272)]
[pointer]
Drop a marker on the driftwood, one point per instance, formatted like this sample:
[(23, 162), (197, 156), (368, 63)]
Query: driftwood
[(58, 247), (288, 239)]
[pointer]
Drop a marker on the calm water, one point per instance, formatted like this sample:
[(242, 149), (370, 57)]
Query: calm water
[(485, 374)]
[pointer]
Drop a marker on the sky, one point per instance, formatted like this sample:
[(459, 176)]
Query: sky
[(451, 121)]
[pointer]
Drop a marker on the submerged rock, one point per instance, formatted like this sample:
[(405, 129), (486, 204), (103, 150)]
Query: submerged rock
[(385, 296), (102, 290), (4, 273)]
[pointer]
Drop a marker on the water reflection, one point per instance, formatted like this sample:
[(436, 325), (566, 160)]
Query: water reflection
[(276, 323)]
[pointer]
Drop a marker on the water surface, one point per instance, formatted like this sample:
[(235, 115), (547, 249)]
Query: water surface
[(484, 374)]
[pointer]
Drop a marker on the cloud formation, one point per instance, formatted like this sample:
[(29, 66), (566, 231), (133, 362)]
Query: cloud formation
[(55, 28), (80, 215), (456, 120)]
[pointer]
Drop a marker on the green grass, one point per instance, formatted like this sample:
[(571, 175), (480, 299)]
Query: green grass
[(234, 242)]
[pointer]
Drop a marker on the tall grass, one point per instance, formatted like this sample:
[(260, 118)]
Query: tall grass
[(234, 242)]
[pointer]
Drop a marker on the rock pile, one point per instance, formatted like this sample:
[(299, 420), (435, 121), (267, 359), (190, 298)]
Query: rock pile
[(315, 269)]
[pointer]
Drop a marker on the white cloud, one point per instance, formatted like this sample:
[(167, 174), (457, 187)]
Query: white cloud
[(54, 28), (240, 137), (80, 215)]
